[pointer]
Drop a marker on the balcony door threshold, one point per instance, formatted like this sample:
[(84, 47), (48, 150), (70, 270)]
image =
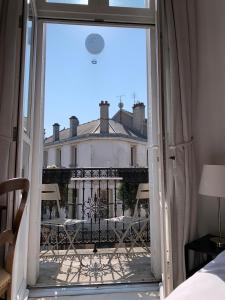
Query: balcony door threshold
[(37, 292)]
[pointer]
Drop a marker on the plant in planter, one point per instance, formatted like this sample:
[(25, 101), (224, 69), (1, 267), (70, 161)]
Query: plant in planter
[(127, 193)]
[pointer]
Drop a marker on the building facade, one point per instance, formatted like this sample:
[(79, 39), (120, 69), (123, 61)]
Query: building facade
[(119, 142)]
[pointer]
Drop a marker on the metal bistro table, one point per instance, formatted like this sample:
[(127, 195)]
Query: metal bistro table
[(64, 224), (136, 235)]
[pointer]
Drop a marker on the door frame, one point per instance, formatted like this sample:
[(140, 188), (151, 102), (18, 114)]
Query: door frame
[(35, 212), (19, 282)]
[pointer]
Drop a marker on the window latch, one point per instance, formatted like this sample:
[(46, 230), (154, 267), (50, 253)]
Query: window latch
[(172, 157)]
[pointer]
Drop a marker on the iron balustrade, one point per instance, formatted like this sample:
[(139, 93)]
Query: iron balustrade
[(95, 194)]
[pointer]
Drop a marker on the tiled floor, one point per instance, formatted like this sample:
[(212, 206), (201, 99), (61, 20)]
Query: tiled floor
[(95, 268), (114, 296)]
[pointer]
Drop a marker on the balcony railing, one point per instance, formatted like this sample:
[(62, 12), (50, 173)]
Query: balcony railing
[(94, 195)]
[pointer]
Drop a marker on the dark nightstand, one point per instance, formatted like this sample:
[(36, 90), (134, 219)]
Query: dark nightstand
[(201, 245)]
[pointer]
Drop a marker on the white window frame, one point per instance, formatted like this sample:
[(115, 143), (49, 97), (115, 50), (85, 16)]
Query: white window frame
[(58, 157), (74, 156), (133, 155), (99, 13), (45, 159), (97, 10)]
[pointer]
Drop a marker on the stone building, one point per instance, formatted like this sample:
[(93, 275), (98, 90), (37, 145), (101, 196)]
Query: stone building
[(119, 142)]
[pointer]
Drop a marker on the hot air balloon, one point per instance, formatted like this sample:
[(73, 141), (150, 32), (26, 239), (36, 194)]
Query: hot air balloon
[(94, 44)]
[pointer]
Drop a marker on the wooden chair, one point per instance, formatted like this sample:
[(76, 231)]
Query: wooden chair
[(8, 236)]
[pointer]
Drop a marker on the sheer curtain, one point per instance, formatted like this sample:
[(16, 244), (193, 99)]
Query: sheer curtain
[(179, 63)]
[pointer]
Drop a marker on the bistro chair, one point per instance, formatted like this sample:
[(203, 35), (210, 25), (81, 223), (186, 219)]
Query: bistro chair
[(52, 227), (130, 224), (9, 236)]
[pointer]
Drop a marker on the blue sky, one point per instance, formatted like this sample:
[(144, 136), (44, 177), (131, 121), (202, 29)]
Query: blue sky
[(123, 3), (75, 86)]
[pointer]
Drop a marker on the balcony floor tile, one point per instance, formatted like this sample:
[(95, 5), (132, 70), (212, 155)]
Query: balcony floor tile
[(124, 268)]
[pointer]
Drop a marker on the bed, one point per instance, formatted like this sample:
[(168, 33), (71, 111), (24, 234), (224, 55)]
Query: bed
[(206, 284)]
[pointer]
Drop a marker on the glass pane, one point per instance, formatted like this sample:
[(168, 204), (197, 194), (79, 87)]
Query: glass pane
[(26, 159), (82, 2), (96, 103), (27, 74), (130, 3)]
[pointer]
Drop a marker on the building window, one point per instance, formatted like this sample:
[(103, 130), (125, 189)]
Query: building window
[(58, 157), (45, 159), (147, 158), (133, 156), (73, 156)]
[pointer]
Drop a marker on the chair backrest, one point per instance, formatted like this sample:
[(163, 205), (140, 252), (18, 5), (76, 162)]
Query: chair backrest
[(6, 187), (143, 191), (142, 194), (50, 192)]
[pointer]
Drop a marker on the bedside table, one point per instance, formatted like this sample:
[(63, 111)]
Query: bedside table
[(202, 245)]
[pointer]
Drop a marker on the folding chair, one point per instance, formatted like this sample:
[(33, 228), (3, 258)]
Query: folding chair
[(50, 192), (130, 223)]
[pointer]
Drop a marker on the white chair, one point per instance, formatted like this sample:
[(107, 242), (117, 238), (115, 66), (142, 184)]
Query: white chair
[(50, 192), (143, 191), (130, 223)]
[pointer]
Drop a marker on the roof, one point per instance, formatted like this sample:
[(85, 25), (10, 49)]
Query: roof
[(93, 128)]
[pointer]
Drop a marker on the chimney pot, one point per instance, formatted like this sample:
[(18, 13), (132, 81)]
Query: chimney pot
[(139, 117), (74, 122), (104, 117), (56, 132)]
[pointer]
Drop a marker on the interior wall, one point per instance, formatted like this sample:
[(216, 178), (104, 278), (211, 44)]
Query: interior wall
[(209, 113)]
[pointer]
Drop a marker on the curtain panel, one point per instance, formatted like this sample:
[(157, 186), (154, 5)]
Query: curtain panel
[(179, 93), (9, 96), (9, 83)]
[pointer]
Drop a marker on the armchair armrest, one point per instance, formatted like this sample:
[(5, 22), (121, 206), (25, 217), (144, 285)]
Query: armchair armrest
[(7, 236)]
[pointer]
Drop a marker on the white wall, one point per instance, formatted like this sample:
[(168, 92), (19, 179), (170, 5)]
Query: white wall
[(109, 153), (84, 155), (51, 156), (141, 156), (98, 152), (210, 108), (66, 156)]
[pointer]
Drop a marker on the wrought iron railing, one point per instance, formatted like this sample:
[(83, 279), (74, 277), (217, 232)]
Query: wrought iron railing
[(94, 195)]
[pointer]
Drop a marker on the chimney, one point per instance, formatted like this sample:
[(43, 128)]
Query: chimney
[(74, 122), (56, 132), (104, 117), (139, 117)]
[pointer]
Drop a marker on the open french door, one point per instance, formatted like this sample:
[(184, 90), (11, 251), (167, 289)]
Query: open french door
[(160, 233), (25, 138)]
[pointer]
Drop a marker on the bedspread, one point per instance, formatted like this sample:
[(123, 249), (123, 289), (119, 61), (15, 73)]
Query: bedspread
[(206, 284)]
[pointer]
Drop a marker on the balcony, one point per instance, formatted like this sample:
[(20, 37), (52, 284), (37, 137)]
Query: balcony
[(102, 247)]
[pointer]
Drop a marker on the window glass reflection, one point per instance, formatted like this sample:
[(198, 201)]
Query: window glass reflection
[(130, 3)]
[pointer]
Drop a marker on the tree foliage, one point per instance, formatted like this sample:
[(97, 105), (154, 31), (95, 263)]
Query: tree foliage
[(127, 192)]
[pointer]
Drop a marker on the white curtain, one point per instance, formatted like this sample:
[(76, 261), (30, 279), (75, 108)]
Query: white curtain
[(9, 90), (179, 63)]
